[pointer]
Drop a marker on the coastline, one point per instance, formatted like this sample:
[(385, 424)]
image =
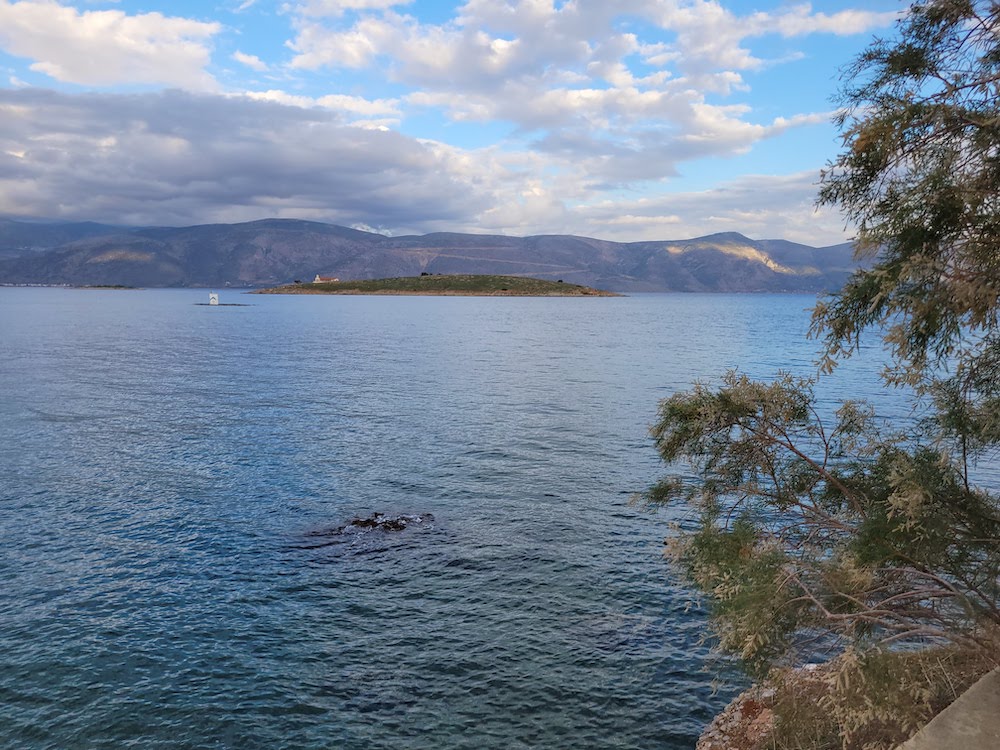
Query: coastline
[(436, 293), (444, 285)]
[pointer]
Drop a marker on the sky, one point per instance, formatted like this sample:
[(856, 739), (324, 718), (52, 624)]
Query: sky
[(625, 120)]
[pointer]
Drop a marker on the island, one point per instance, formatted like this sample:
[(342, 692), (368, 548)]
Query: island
[(105, 287), (477, 285)]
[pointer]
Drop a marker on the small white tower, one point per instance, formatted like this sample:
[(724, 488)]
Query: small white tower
[(213, 298)]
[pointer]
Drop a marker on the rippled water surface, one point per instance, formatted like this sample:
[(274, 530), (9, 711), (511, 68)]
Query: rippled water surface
[(173, 477)]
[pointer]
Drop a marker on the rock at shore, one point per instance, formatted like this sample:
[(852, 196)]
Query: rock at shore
[(747, 723)]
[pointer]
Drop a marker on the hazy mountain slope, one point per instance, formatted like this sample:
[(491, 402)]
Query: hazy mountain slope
[(23, 238), (275, 251), (833, 257)]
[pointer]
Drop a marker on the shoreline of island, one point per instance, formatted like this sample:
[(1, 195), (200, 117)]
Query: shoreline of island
[(441, 285)]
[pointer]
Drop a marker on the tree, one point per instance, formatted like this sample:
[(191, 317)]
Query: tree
[(919, 177), (831, 531), (815, 535)]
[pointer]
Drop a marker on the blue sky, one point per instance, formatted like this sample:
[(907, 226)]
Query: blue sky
[(626, 120)]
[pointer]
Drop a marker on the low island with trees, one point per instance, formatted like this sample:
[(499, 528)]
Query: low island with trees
[(469, 285)]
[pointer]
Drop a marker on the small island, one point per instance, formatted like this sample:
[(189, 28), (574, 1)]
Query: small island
[(105, 287), (478, 285)]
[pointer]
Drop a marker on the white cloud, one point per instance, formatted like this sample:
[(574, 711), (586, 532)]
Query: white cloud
[(710, 37), (529, 36), (386, 109), (567, 73), (758, 206), (317, 47), (177, 158), (251, 61), (598, 99), (361, 227), (106, 47), (338, 7), (180, 158), (800, 20), (645, 223)]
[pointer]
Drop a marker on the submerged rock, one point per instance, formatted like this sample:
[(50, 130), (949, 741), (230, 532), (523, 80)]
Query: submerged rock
[(360, 533), (388, 523), (374, 522)]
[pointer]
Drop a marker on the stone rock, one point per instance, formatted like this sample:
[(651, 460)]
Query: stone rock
[(388, 523), (745, 724), (350, 532)]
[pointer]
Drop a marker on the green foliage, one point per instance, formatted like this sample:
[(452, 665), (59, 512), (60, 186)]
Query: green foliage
[(806, 526), (870, 701), (839, 533), (835, 535), (445, 284), (919, 177)]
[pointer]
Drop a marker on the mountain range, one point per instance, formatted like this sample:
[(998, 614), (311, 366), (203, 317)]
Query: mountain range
[(276, 251)]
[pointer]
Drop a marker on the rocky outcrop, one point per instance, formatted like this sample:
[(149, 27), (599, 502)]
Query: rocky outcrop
[(747, 723), (380, 522), (347, 535)]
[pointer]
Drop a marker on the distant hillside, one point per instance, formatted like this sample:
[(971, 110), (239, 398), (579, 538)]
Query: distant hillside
[(278, 251), (24, 238)]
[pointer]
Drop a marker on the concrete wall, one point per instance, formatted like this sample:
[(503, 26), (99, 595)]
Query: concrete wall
[(970, 723)]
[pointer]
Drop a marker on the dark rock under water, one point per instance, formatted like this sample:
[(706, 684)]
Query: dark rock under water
[(386, 523), (376, 522)]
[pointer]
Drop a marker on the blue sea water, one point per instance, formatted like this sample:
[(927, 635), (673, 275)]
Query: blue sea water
[(173, 476)]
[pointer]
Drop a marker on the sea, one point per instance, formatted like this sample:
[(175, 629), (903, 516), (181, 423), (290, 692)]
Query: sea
[(178, 567)]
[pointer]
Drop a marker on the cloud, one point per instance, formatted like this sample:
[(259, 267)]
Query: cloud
[(317, 46), (800, 20), (251, 61), (495, 40), (589, 83), (759, 206), (107, 47), (383, 109), (339, 7), (710, 37), (180, 158)]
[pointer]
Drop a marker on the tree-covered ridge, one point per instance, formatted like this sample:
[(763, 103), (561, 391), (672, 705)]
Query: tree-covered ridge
[(448, 284)]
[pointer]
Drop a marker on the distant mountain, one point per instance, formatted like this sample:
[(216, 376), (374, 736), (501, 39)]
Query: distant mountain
[(276, 251), (23, 238)]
